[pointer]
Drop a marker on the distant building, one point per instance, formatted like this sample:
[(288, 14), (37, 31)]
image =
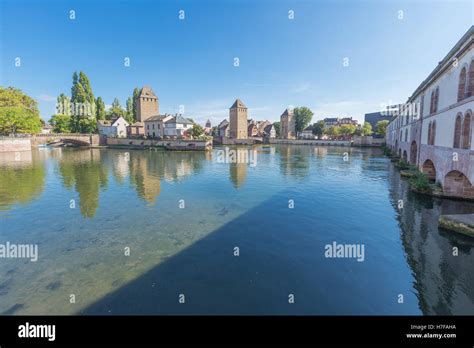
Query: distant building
[(347, 120), (238, 120), (331, 121), (154, 126), (147, 106), (208, 128), (252, 129), (434, 129), (287, 125), (46, 129), (375, 117), (116, 127), (307, 133), (269, 131), (223, 129), (261, 125), (338, 121), (177, 126)]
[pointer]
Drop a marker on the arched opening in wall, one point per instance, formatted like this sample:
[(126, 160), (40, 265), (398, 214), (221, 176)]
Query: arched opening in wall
[(466, 132), (413, 151), (462, 84), (400, 153), (457, 132), (470, 80), (457, 184), (429, 169), (405, 156)]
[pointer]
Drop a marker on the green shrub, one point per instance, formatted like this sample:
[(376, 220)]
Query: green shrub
[(402, 164), (420, 182)]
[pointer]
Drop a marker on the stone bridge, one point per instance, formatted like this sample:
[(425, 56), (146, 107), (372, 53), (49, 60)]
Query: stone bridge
[(67, 138)]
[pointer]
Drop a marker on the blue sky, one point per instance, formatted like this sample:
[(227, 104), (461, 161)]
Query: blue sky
[(190, 62)]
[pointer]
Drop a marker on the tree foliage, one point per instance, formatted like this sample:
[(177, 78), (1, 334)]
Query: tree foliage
[(136, 94), (18, 112), (197, 130), (381, 127), (303, 116), (83, 104), (277, 128), (61, 123), (99, 109), (318, 128)]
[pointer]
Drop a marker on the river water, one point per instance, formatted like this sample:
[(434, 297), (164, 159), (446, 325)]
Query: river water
[(145, 232)]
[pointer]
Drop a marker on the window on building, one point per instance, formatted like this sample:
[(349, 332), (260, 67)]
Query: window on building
[(147, 126), (434, 100), (462, 84), (429, 134), (406, 135), (466, 132), (457, 132), (433, 133), (153, 126), (470, 80)]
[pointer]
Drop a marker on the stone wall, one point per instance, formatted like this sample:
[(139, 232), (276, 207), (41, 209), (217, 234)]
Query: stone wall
[(310, 142), (170, 144), (14, 145)]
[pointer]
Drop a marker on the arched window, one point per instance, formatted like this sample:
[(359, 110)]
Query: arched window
[(429, 134), (470, 80), (436, 100), (433, 133), (466, 132), (462, 84), (457, 132), (406, 135), (432, 101)]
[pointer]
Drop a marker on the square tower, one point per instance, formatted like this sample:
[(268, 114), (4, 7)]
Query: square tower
[(238, 120), (147, 104), (287, 124)]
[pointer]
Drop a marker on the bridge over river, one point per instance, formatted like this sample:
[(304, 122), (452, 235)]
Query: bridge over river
[(24, 143)]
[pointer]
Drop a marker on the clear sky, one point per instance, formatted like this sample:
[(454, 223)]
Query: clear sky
[(190, 62)]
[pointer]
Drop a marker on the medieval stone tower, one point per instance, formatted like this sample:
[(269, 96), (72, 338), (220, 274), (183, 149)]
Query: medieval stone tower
[(287, 124), (238, 120), (147, 104)]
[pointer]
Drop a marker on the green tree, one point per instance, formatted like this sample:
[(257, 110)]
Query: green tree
[(83, 104), (129, 112), (197, 130), (277, 128), (116, 110), (136, 94), (333, 132), (346, 130), (381, 127), (303, 116), (318, 128), (18, 112), (61, 123), (366, 129), (99, 109), (63, 105)]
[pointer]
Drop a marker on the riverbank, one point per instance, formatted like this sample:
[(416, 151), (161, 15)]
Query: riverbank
[(173, 145)]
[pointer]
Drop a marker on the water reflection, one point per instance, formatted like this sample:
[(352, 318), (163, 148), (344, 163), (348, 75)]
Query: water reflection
[(294, 161), (443, 280), (22, 178), (84, 171)]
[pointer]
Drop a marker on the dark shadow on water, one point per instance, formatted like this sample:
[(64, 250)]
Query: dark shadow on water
[(214, 281)]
